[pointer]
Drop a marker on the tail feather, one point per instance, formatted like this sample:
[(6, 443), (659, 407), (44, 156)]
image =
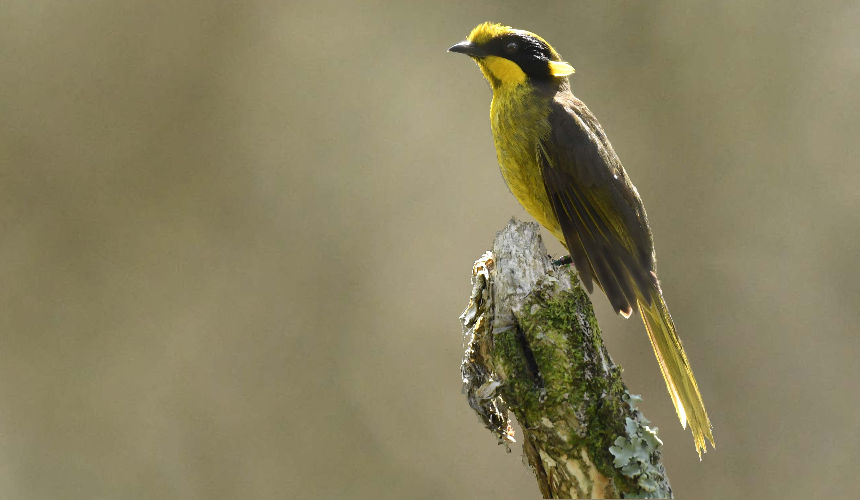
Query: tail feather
[(676, 369)]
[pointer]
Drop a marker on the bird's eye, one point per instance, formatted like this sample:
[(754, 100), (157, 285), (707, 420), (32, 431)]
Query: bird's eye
[(511, 47)]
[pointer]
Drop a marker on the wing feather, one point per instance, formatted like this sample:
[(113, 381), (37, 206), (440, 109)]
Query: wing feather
[(598, 209)]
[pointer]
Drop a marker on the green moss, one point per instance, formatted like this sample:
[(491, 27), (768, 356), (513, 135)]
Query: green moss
[(552, 362)]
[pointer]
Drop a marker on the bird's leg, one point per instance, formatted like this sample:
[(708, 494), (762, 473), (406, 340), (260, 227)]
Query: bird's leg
[(562, 261)]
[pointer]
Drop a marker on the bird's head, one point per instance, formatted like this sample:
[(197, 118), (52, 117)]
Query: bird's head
[(509, 56)]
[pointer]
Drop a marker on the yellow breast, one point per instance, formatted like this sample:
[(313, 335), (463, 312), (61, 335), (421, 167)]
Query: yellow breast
[(519, 120)]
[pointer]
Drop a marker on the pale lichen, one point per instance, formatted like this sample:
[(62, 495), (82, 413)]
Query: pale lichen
[(637, 455)]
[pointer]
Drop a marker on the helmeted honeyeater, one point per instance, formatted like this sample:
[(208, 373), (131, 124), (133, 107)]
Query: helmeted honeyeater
[(559, 164)]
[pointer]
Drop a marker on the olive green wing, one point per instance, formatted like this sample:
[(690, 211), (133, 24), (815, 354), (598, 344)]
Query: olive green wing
[(598, 209)]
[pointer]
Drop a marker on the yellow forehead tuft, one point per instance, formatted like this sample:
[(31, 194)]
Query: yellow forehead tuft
[(485, 32)]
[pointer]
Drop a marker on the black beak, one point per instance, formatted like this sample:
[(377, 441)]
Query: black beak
[(468, 48)]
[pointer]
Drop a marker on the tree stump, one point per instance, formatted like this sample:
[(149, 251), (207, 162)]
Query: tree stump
[(532, 347)]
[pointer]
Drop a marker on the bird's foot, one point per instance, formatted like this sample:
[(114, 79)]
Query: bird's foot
[(562, 261)]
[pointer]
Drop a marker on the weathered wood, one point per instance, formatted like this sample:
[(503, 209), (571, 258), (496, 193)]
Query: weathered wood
[(533, 347)]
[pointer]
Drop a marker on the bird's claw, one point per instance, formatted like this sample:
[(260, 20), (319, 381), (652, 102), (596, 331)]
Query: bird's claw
[(562, 261)]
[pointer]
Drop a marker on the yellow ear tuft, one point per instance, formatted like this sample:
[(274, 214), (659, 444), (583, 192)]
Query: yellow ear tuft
[(560, 68)]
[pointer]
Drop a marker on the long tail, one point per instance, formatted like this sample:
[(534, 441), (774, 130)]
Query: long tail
[(676, 369)]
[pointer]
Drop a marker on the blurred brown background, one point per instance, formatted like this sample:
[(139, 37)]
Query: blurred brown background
[(236, 237)]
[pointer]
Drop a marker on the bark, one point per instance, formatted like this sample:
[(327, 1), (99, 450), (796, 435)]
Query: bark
[(533, 347)]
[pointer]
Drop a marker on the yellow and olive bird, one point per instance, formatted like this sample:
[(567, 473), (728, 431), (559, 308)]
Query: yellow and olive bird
[(559, 164)]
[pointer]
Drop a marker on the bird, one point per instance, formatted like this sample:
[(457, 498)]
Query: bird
[(559, 164)]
